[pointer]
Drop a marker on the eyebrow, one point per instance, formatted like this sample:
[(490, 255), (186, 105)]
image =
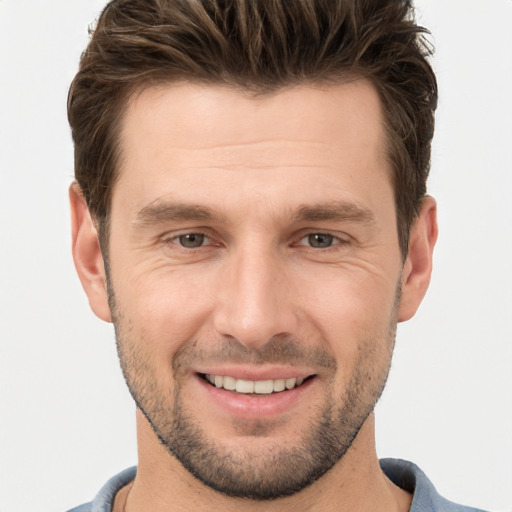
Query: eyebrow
[(336, 211), (159, 212)]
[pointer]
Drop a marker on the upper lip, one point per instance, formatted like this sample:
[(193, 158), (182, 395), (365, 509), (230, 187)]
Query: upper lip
[(257, 373)]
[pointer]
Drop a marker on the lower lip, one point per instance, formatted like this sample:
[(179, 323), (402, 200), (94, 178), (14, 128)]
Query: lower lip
[(255, 406)]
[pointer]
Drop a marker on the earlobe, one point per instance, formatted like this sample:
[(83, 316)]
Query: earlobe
[(418, 264), (87, 255)]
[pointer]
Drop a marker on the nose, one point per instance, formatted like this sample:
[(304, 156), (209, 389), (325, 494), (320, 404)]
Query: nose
[(255, 298)]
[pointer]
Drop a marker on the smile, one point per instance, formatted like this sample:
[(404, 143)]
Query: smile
[(259, 387)]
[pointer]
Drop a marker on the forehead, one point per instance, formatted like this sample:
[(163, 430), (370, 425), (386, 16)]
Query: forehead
[(213, 115), (212, 136)]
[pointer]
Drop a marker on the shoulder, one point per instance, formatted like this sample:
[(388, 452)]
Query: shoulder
[(411, 478), (105, 498), (86, 507)]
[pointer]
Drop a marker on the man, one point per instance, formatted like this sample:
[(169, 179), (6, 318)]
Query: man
[(250, 212)]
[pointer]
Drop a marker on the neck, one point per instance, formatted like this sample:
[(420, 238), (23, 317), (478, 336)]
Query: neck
[(354, 483)]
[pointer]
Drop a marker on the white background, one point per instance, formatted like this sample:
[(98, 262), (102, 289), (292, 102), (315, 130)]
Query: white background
[(66, 420)]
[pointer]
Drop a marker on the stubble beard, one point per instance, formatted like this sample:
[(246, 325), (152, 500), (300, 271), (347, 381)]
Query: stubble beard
[(278, 471)]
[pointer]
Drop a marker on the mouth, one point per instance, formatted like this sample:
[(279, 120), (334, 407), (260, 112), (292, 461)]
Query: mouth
[(254, 387)]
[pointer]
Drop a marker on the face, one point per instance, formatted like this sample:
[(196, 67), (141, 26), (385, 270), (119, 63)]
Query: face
[(255, 277)]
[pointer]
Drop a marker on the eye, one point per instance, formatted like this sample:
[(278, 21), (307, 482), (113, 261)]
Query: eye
[(191, 240), (319, 240)]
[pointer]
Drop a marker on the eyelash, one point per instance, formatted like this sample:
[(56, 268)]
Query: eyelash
[(337, 240), (174, 239)]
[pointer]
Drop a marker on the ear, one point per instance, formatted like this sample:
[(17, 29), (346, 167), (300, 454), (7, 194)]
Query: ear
[(87, 255), (418, 265)]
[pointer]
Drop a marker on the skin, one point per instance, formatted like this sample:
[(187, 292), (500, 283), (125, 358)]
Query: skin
[(271, 173)]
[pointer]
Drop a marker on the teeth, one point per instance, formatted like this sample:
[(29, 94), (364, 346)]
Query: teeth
[(279, 385), (264, 387), (290, 383), (244, 386), (261, 387), (229, 383)]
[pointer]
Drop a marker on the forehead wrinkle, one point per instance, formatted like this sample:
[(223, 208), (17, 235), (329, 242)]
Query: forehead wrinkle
[(248, 156)]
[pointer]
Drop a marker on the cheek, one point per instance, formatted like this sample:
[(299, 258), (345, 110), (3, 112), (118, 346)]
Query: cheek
[(165, 309), (346, 300), (354, 315)]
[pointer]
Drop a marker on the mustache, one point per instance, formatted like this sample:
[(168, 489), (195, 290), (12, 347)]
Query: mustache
[(280, 349)]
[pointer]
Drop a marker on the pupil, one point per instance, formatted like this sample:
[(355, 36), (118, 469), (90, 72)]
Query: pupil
[(320, 240), (191, 240)]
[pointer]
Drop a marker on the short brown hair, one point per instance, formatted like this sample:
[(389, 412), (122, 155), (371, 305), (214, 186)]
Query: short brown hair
[(260, 46)]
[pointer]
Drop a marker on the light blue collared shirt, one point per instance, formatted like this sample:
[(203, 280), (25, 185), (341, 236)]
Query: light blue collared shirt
[(402, 473)]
